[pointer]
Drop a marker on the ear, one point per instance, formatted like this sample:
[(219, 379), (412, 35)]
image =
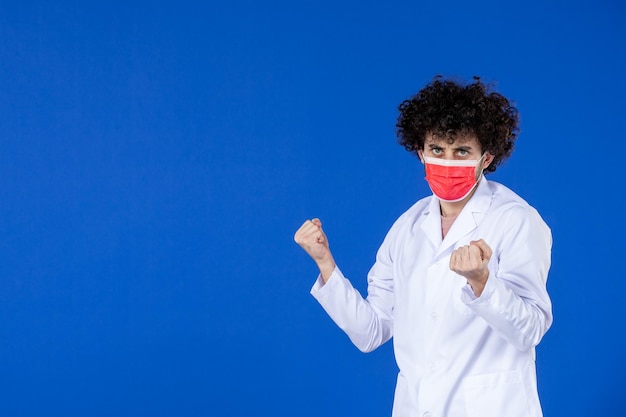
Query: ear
[(488, 160), (420, 155)]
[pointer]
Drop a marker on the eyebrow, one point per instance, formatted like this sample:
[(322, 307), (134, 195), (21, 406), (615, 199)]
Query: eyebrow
[(458, 148)]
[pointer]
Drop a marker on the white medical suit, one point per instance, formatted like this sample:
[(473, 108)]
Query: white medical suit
[(459, 355)]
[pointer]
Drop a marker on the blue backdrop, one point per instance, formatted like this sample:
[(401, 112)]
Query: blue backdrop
[(157, 157)]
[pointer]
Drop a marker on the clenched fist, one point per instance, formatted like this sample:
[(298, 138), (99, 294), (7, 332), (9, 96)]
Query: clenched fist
[(312, 239), (472, 261)]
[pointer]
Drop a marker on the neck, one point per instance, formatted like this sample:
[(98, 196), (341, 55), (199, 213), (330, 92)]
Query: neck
[(451, 209)]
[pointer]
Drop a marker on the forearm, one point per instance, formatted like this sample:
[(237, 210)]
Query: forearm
[(366, 325), (326, 266), (521, 321)]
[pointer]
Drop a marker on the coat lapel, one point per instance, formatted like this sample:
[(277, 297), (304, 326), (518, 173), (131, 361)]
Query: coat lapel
[(431, 226), (469, 218)]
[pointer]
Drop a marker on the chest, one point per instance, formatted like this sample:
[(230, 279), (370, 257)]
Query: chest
[(424, 284)]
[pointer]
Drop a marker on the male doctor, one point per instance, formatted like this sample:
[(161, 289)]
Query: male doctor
[(459, 281)]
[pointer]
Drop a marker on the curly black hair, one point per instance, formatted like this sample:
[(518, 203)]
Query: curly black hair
[(447, 109)]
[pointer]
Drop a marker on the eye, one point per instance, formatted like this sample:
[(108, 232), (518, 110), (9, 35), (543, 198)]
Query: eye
[(463, 152), (436, 151)]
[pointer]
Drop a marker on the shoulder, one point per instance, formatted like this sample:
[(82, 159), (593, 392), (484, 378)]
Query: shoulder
[(416, 211), (410, 217), (510, 207), (502, 196)]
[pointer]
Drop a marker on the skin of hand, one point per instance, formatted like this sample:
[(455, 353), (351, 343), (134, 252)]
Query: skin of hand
[(471, 261), (311, 237)]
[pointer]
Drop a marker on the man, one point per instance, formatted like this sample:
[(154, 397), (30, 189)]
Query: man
[(460, 279)]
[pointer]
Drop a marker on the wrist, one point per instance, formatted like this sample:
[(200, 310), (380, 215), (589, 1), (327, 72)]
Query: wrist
[(478, 286), (326, 267)]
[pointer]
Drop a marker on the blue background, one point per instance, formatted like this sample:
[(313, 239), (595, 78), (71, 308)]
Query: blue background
[(157, 157)]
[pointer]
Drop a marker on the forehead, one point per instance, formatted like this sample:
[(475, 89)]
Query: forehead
[(467, 140)]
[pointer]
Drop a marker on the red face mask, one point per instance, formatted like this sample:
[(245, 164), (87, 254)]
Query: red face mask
[(449, 179)]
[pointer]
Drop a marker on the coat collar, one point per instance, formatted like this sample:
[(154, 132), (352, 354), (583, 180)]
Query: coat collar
[(469, 218)]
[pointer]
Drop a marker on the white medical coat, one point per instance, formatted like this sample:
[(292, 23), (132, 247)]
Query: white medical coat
[(458, 355)]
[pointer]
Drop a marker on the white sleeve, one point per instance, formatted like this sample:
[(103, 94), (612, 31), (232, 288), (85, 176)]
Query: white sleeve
[(367, 322), (515, 301)]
